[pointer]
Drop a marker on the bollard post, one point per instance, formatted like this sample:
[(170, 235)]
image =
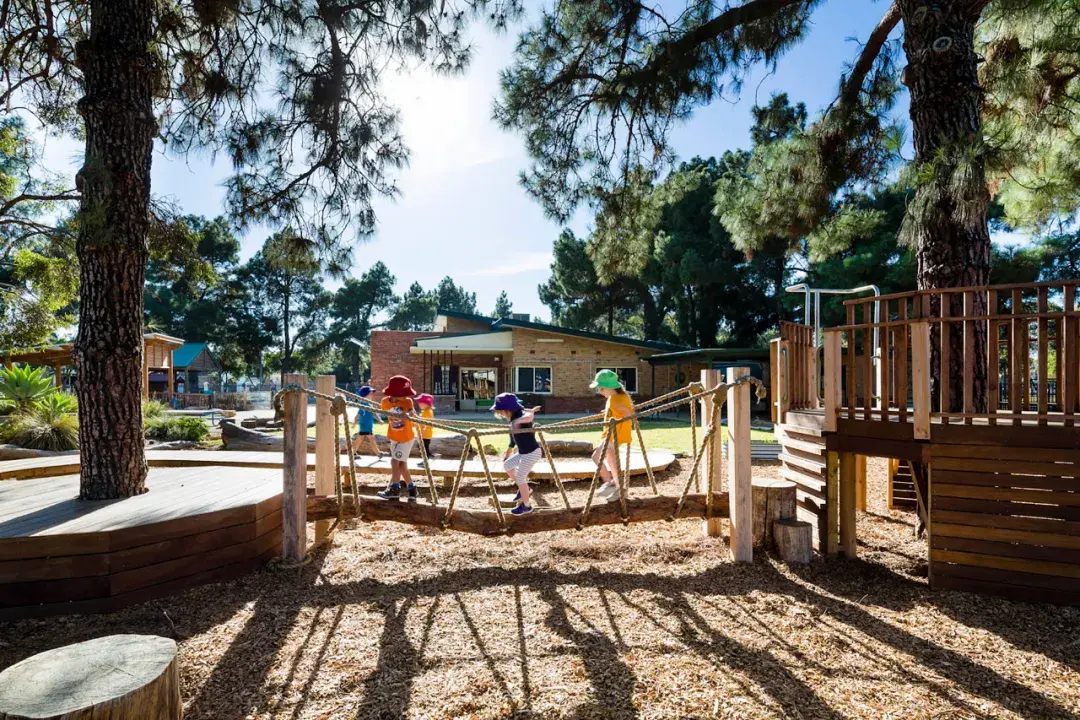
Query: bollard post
[(294, 489)]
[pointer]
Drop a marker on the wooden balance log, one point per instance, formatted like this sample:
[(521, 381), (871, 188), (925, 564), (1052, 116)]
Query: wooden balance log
[(775, 526), (117, 677), (486, 522)]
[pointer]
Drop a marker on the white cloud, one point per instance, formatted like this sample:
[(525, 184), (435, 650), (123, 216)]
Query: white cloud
[(522, 263)]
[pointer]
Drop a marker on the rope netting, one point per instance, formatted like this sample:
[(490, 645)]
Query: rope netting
[(474, 431)]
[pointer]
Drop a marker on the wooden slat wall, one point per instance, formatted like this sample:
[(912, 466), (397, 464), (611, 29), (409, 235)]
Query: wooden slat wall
[(1006, 521), (49, 575), (802, 459)]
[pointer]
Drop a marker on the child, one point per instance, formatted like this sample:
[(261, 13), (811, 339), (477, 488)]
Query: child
[(426, 404), (365, 426), (518, 466), (398, 404), (618, 406)]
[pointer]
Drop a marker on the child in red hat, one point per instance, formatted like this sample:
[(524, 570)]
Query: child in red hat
[(398, 404), (426, 403)]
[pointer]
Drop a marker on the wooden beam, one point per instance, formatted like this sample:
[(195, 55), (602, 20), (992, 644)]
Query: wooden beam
[(294, 477), (324, 446), (833, 379), (713, 456), (486, 522), (860, 482), (920, 380), (740, 487), (847, 504), (832, 498), (145, 373)]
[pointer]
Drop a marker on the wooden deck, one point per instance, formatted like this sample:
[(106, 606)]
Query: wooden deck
[(569, 468), (195, 525)]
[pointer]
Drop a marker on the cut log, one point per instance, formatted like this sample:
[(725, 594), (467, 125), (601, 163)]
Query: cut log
[(117, 677), (774, 500), (794, 541), (235, 437), (486, 522)]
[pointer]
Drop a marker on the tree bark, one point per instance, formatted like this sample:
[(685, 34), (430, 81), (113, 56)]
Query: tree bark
[(118, 72), (949, 226)]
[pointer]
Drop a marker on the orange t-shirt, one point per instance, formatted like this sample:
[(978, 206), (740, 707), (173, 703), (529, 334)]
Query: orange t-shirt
[(619, 406), (399, 428)]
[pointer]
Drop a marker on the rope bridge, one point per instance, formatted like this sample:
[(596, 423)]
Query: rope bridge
[(343, 505)]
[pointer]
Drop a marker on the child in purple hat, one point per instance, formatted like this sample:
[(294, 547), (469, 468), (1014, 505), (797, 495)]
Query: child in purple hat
[(518, 465)]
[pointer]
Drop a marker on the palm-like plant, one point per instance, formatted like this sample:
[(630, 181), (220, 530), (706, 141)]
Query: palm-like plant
[(49, 424), (21, 387)]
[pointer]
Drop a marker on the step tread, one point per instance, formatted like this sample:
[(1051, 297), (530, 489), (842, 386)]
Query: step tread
[(808, 463)]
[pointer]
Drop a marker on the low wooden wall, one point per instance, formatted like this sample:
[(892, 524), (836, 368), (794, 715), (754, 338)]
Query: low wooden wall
[(103, 571), (1006, 521)]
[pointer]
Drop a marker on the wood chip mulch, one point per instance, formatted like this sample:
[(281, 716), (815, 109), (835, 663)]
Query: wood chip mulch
[(645, 621)]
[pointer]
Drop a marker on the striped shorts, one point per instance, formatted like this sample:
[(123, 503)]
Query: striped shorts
[(522, 464)]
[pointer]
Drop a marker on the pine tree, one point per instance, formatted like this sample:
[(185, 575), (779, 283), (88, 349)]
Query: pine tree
[(503, 306), (290, 90)]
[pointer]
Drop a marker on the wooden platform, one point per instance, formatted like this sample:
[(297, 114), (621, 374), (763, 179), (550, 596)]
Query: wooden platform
[(569, 468), (195, 525)]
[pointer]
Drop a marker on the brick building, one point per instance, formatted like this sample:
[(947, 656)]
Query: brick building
[(465, 360)]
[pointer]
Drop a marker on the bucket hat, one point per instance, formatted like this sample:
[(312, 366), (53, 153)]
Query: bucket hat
[(606, 379), (425, 399), (506, 401), (399, 386)]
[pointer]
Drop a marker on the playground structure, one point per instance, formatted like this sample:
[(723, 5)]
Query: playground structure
[(993, 454), (331, 501)]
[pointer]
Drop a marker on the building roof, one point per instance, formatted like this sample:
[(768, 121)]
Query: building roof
[(497, 324), (183, 355), (710, 355), (61, 354)]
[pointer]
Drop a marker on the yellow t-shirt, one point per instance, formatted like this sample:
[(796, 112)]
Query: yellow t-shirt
[(426, 430), (619, 406), (399, 428)]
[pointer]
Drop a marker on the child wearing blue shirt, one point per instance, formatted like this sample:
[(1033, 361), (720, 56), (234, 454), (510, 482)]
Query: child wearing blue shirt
[(365, 427)]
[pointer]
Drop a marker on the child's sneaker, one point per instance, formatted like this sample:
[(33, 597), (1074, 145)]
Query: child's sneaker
[(413, 495), (521, 509), (392, 492), (607, 491)]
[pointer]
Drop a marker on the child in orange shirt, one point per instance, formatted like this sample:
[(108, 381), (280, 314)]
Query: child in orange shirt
[(426, 403), (398, 405), (618, 406)]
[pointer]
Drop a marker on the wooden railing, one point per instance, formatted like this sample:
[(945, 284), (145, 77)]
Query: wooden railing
[(794, 368), (997, 351)]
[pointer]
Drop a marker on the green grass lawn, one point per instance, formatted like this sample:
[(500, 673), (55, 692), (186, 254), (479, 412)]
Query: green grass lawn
[(672, 435)]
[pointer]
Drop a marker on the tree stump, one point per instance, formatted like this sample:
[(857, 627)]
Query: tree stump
[(773, 500), (794, 541), (117, 677)]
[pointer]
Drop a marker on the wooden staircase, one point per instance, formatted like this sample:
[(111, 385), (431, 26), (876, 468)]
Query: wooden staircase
[(802, 459)]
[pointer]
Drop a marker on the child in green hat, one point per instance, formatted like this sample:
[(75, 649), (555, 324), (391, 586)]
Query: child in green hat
[(618, 406)]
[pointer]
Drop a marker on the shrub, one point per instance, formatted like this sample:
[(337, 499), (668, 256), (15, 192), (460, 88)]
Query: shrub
[(21, 387), (46, 426), (177, 428), (153, 410)]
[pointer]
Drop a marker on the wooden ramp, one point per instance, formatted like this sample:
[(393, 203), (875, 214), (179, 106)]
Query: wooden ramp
[(59, 554), (569, 468)]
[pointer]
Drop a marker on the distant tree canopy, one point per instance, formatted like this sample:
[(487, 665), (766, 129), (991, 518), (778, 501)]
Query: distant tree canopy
[(503, 306)]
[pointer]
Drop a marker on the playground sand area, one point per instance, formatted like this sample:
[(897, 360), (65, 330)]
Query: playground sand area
[(646, 621)]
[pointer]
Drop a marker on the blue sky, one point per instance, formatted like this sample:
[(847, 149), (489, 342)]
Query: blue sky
[(462, 212)]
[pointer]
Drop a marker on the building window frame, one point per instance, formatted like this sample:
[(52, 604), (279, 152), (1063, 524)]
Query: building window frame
[(534, 368), (617, 369)]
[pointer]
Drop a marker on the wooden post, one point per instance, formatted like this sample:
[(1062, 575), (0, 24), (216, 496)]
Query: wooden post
[(294, 490), (170, 376), (847, 504), (740, 491), (833, 379), (813, 382), (832, 500), (782, 393), (860, 482), (325, 443), (714, 452), (58, 382), (145, 372), (774, 382), (920, 379)]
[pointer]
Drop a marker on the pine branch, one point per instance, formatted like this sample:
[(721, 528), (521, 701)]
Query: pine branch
[(852, 85)]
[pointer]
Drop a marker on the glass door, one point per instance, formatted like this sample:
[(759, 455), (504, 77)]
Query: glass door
[(478, 387)]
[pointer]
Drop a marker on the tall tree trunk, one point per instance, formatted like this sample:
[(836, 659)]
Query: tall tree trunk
[(286, 318), (948, 214), (118, 112), (611, 312)]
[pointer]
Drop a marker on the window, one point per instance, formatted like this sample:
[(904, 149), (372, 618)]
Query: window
[(536, 380), (627, 376)]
